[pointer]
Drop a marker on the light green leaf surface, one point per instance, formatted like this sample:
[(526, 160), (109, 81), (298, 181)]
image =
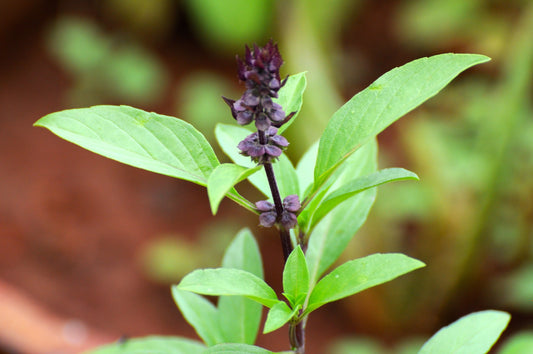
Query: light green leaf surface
[(152, 344), (305, 168), (296, 278), (216, 22), (201, 314), (278, 315), (224, 281), (329, 237), (239, 317), (291, 97), (243, 253), (146, 140), (151, 141), (222, 180), (229, 136), (475, 333), (390, 97), (360, 274), (518, 343), (357, 186), (232, 348)]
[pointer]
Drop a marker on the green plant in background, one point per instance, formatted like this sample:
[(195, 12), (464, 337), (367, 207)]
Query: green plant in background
[(169, 257), (472, 211), (226, 25), (102, 66), (316, 206)]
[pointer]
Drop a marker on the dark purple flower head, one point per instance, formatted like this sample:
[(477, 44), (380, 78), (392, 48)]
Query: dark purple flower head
[(288, 218), (263, 153), (260, 72), (261, 65)]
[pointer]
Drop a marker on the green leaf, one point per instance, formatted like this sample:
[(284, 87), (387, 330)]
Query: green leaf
[(201, 314), (217, 23), (222, 180), (243, 253), (239, 317), (151, 141), (233, 348), (291, 97), (224, 281), (329, 237), (278, 315), (152, 344), (472, 334), (361, 163), (390, 97), (519, 343), (304, 169), (360, 274), (357, 186), (229, 136), (296, 278)]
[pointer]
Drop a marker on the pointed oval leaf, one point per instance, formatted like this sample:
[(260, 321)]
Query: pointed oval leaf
[(229, 136), (390, 97), (152, 344), (329, 237), (357, 186), (239, 317), (305, 168), (291, 97), (475, 333), (201, 314), (222, 180), (233, 348), (360, 274), (278, 315), (243, 253), (296, 278), (225, 281), (150, 141)]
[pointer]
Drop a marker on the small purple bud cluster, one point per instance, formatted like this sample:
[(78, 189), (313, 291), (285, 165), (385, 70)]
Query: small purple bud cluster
[(288, 219), (263, 153)]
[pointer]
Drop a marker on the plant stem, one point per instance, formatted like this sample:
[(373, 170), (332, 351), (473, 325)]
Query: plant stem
[(296, 330), (297, 337), (284, 234)]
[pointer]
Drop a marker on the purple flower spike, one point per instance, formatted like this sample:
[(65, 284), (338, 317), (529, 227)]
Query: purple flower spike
[(260, 72), (263, 153)]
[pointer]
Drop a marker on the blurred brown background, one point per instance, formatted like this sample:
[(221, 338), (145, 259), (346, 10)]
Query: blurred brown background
[(89, 247)]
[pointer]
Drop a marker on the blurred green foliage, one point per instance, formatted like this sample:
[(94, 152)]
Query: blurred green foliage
[(167, 258), (151, 20), (520, 343), (228, 24), (104, 67), (362, 345), (199, 101)]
